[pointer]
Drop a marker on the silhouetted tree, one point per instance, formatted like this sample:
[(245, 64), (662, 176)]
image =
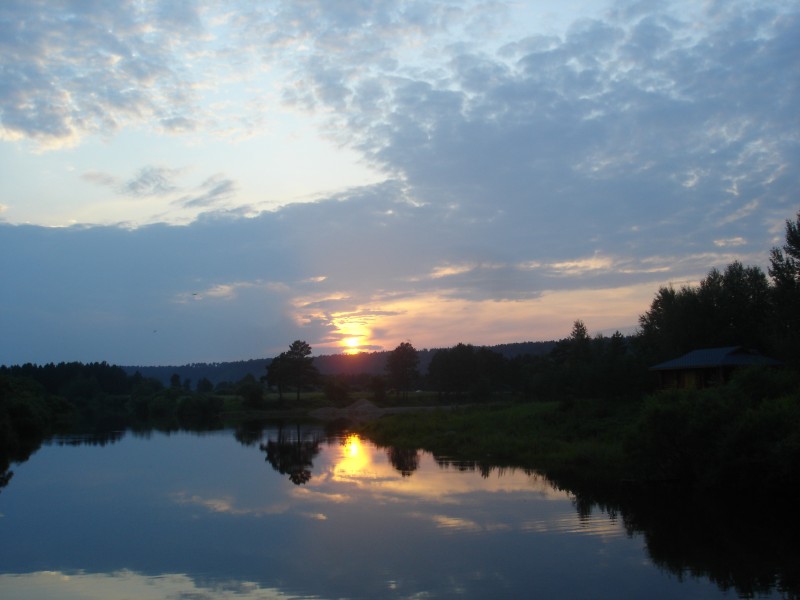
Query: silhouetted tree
[(278, 373), (731, 308), (490, 373), (466, 369), (784, 270), (668, 326), (401, 366), (299, 365), (580, 350), (175, 381), (377, 385), (450, 369), (336, 390), (204, 386), (293, 367), (251, 391), (735, 306)]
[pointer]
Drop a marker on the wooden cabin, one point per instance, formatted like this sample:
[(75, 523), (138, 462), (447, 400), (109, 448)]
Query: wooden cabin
[(700, 369)]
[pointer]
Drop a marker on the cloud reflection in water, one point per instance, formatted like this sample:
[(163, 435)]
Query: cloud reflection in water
[(124, 584)]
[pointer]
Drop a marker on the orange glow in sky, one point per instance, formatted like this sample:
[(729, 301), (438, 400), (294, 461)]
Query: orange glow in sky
[(447, 321), (353, 330)]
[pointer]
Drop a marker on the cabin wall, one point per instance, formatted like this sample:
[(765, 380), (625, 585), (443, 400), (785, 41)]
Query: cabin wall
[(695, 379)]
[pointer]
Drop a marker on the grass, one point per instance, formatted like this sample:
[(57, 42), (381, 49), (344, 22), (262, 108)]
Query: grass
[(584, 439), (740, 439)]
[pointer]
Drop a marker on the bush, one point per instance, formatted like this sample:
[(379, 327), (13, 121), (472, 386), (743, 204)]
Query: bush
[(199, 408), (337, 391), (251, 391), (745, 435)]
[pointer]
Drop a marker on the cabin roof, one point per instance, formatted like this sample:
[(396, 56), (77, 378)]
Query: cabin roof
[(728, 356)]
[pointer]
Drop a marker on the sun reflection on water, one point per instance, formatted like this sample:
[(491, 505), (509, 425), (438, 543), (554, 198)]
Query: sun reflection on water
[(354, 446), (354, 458)]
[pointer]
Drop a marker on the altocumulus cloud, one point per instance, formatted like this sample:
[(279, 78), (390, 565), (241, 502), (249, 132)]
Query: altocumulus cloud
[(527, 180), (72, 69)]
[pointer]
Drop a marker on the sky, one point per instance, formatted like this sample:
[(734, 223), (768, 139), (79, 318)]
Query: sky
[(204, 181)]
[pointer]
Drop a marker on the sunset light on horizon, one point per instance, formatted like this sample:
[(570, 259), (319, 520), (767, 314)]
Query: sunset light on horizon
[(209, 181)]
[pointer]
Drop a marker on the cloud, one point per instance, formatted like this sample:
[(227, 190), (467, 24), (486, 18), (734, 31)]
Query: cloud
[(160, 182), (103, 179), (84, 68), (179, 124), (521, 175), (151, 181), (582, 266), (619, 114), (729, 242), (213, 191), (371, 263)]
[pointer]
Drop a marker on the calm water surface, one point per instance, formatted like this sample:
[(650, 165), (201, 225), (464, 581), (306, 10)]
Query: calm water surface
[(291, 513)]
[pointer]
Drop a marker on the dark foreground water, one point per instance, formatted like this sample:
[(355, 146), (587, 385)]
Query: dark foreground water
[(292, 513)]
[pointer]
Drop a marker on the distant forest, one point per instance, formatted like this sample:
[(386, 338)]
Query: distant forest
[(372, 363)]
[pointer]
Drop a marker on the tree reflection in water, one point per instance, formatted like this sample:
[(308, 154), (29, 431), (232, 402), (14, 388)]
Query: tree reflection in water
[(740, 544), (292, 455), (406, 461)]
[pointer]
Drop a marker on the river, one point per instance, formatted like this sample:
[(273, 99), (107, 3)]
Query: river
[(296, 512)]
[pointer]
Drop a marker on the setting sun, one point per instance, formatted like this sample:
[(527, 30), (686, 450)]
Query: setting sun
[(352, 344), (354, 329)]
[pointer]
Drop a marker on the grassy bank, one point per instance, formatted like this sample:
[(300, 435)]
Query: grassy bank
[(743, 437), (582, 438)]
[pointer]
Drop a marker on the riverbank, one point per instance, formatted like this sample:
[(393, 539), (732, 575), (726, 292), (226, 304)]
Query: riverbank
[(584, 438), (743, 438), (363, 410)]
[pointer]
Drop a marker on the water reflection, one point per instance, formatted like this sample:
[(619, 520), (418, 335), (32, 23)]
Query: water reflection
[(354, 459), (292, 453), (92, 439), (125, 584), (91, 518), (406, 461)]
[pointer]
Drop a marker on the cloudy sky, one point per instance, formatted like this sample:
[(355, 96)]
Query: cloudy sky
[(196, 181)]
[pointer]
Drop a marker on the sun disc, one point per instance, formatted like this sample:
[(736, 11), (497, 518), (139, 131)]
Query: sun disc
[(352, 344)]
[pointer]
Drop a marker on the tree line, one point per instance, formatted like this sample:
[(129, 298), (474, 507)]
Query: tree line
[(360, 364)]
